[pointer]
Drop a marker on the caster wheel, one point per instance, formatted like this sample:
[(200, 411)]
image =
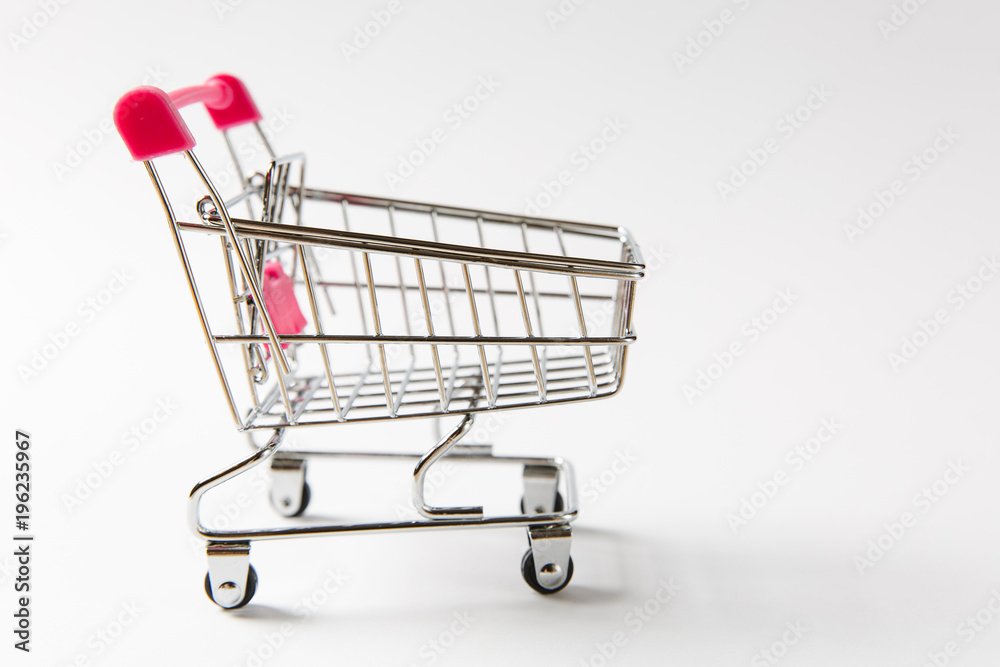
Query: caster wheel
[(247, 596), (528, 572), (558, 507), (300, 510), (306, 497)]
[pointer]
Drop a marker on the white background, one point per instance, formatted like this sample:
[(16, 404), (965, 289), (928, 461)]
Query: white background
[(65, 233)]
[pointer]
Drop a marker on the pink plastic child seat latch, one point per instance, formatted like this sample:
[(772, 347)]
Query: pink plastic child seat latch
[(280, 301)]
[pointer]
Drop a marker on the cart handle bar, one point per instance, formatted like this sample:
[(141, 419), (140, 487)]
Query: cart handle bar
[(151, 126)]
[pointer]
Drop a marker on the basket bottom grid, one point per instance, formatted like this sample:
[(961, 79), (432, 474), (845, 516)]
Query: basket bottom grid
[(416, 392)]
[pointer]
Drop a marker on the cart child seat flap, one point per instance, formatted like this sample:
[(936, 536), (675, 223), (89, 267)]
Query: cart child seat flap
[(279, 298)]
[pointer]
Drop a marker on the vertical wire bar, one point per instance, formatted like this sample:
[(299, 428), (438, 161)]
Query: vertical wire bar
[(399, 278), (483, 364), (430, 330), (534, 298), (376, 320), (356, 390), (319, 273), (493, 308), (263, 138), (539, 377), (402, 385), (451, 317), (628, 294), (621, 327), (357, 283), (301, 197), (239, 170), (591, 374), (247, 350), (252, 349), (283, 185), (281, 363), (406, 313), (444, 280), (489, 281), (311, 292), (205, 327)]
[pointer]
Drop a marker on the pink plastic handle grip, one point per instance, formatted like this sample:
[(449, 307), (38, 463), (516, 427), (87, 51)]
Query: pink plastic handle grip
[(151, 126)]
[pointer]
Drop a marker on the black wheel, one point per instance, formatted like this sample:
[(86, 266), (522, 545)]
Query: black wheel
[(251, 589), (306, 496), (528, 572), (558, 507)]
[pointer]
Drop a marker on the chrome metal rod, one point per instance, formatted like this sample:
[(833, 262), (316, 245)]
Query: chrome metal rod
[(192, 286), (429, 340), (428, 460), (435, 356), (245, 266), (248, 463), (424, 249)]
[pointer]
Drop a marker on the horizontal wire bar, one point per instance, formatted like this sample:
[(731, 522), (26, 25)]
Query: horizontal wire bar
[(479, 290), (584, 396), (586, 228), (428, 340), (408, 247)]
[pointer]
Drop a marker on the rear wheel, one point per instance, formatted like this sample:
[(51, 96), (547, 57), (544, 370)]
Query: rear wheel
[(559, 506), (248, 593)]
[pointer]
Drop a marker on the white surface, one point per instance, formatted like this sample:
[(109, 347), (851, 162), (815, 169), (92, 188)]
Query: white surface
[(665, 517)]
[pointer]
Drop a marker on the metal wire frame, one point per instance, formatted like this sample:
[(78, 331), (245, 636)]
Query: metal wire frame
[(502, 373)]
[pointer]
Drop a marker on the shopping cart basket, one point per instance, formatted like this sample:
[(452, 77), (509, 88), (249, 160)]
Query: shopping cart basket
[(366, 309)]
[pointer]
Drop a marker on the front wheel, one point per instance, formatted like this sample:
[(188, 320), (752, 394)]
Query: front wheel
[(248, 593), (531, 577)]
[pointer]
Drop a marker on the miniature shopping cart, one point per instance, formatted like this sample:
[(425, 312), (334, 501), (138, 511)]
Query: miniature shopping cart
[(322, 308)]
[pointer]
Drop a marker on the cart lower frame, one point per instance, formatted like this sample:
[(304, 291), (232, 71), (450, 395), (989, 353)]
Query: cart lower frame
[(546, 513)]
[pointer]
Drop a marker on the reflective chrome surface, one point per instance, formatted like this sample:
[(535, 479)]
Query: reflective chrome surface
[(413, 310)]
